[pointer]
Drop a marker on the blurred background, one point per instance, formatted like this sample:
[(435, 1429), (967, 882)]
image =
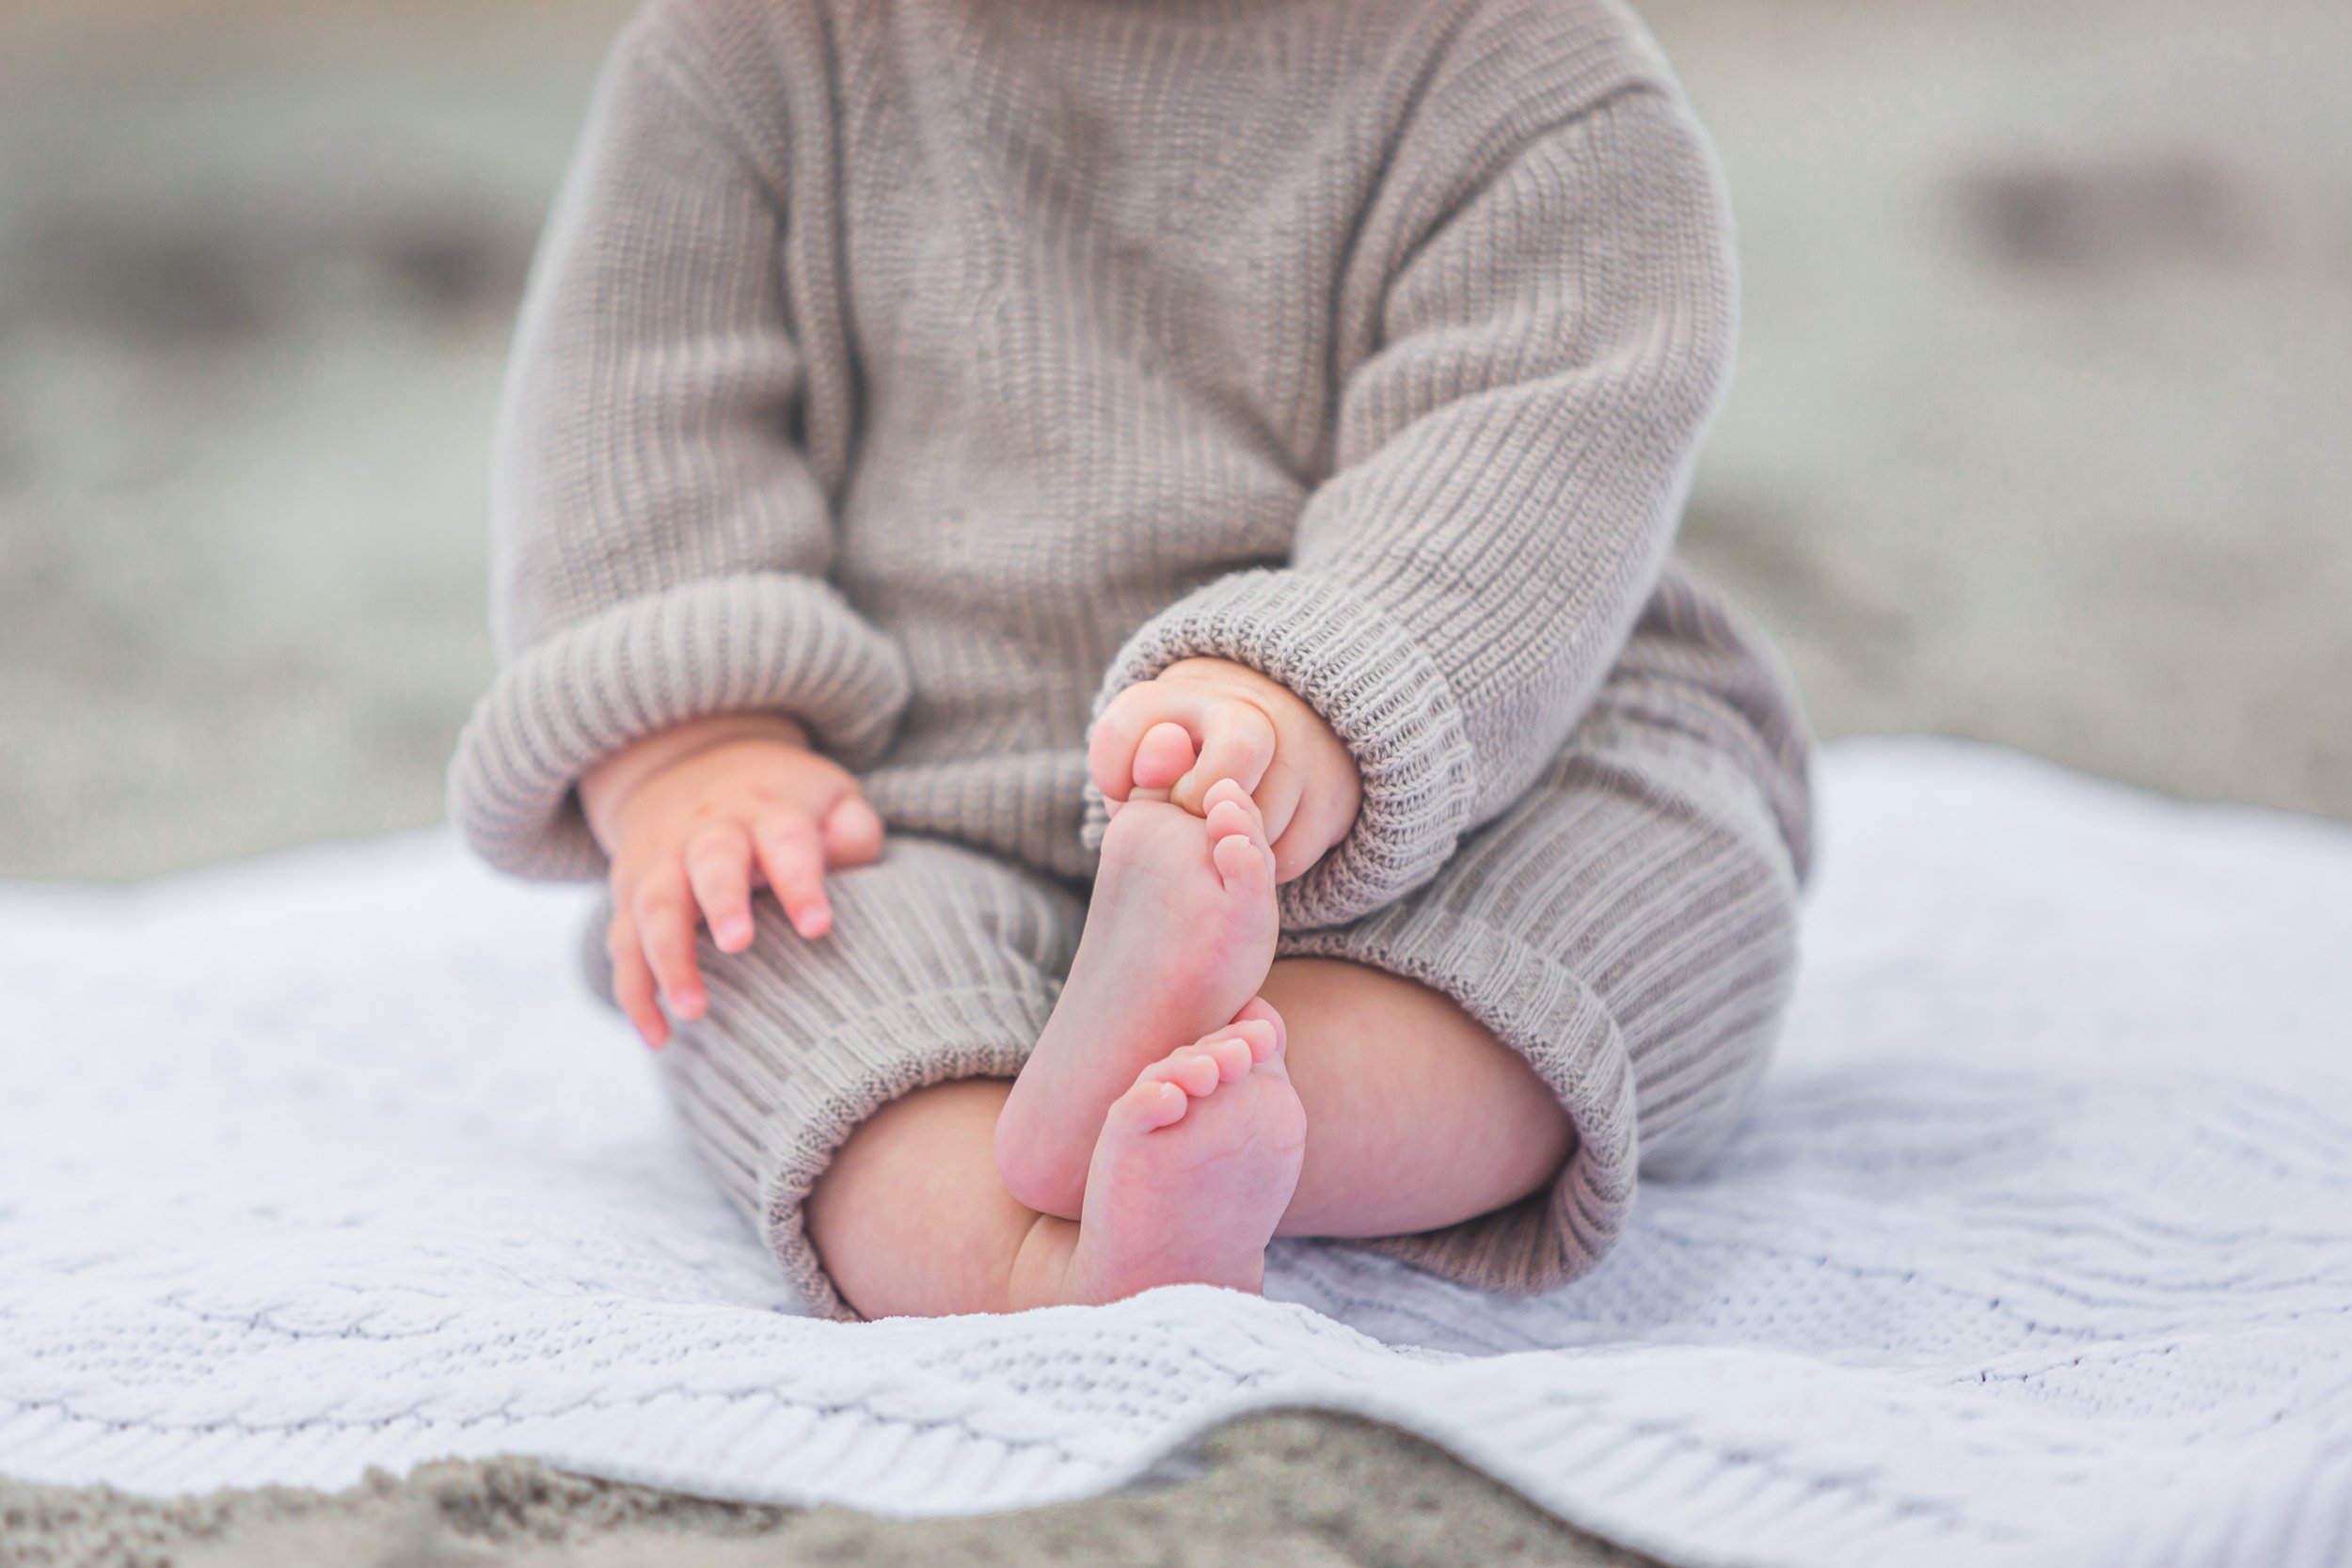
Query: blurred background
[(2042, 434), (2042, 431)]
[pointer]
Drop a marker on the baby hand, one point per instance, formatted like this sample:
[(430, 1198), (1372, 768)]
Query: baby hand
[(693, 819), (1203, 719)]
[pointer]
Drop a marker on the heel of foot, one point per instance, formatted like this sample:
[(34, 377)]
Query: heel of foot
[(1026, 1166)]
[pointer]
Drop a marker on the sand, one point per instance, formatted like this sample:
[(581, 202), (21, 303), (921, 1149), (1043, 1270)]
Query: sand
[(1280, 1491), (2040, 436)]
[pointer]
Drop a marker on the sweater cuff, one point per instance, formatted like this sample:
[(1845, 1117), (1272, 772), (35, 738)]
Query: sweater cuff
[(753, 642), (1382, 695)]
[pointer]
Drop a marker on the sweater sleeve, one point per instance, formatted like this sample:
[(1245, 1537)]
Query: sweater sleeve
[(1510, 465), (661, 544)]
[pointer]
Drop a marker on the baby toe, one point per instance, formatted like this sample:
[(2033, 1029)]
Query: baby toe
[(1263, 1036), (1223, 791), (1150, 1103), (1232, 1053), (1258, 1009), (1244, 865), (1191, 1070), (1229, 818)]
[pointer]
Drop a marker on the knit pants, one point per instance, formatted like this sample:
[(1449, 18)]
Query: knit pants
[(1629, 926)]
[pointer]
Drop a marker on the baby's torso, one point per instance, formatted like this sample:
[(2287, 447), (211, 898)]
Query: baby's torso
[(1078, 284)]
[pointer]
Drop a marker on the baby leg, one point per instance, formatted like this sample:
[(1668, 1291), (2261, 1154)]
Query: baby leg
[(1193, 1168), (1414, 1116), (1627, 929), (941, 965), (1418, 1117), (840, 1088)]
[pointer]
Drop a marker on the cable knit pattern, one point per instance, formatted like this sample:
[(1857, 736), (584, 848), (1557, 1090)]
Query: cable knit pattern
[(957, 364), (2034, 1249)]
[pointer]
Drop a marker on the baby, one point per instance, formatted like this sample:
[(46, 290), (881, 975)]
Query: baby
[(1095, 574)]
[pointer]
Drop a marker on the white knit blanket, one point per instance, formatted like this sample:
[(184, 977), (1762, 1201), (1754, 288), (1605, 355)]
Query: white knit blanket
[(2037, 1247)]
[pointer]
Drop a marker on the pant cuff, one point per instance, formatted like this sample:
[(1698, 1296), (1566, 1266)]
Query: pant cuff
[(839, 1080), (1539, 1009)]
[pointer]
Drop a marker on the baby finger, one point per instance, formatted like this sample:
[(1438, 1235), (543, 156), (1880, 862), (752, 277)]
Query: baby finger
[(632, 982), (852, 833), (793, 858), (719, 869), (1315, 826), (1163, 756), (1277, 795), (1111, 743), (1236, 743), (666, 922)]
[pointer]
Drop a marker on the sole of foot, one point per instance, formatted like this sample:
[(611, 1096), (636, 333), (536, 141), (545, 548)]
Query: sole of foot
[(1195, 1163), (1179, 935)]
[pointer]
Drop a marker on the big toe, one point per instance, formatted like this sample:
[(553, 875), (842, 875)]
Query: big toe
[(1258, 1020), (1193, 1069)]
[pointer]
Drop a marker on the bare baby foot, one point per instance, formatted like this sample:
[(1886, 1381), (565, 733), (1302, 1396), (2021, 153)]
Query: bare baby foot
[(1194, 1165), (1178, 937)]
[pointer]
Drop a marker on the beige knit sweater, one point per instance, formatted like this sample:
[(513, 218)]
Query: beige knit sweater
[(929, 369)]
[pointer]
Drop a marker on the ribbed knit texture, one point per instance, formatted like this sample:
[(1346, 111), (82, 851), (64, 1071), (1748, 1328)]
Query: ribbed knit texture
[(1629, 926), (931, 370), (943, 964)]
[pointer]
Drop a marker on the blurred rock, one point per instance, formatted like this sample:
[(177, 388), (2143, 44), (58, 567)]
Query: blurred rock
[(2082, 219)]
